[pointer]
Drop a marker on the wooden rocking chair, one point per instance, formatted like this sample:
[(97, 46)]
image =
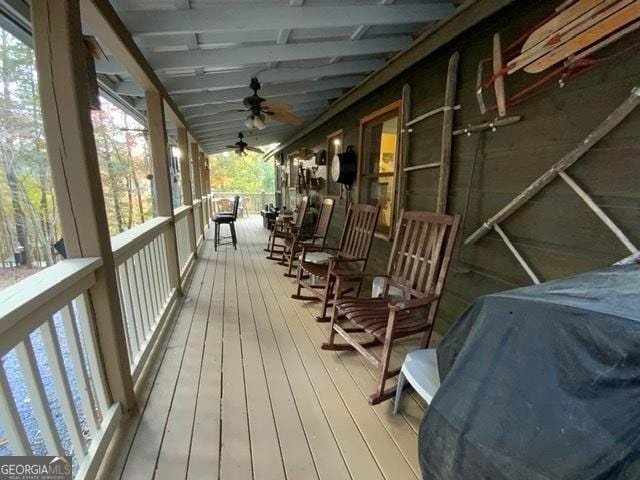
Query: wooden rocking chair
[(284, 230), (354, 247), (418, 266), (294, 245)]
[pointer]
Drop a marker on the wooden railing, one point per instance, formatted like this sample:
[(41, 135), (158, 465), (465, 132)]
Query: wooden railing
[(54, 399), (254, 201), (146, 295), (185, 255), (197, 215), (48, 344)]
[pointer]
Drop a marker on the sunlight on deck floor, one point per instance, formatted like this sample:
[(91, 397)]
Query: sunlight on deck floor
[(242, 389)]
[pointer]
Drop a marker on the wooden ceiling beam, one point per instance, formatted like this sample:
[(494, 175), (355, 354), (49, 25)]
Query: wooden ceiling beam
[(467, 15), (234, 56), (297, 102), (240, 78), (270, 91), (111, 32), (258, 17)]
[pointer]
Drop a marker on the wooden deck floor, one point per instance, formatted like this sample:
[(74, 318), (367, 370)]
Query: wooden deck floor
[(242, 389)]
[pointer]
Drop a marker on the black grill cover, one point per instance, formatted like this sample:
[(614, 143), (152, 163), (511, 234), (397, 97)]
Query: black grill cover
[(545, 385)]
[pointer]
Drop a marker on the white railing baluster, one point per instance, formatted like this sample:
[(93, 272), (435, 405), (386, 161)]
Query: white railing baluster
[(153, 265), (39, 400), (61, 384), (135, 301), (10, 419), (125, 300), (98, 381), (142, 295), (79, 366), (149, 275)]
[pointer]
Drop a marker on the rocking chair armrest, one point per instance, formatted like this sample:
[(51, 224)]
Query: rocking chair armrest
[(413, 303)]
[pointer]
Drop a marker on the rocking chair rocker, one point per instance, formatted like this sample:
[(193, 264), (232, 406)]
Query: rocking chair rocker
[(418, 266), (294, 244), (355, 244), (284, 230)]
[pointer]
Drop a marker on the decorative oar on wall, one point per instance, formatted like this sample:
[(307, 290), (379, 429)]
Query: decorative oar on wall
[(559, 170)]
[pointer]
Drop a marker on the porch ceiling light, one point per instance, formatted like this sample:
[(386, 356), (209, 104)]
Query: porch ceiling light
[(255, 121)]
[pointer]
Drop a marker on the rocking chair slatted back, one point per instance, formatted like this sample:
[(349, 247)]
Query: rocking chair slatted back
[(421, 250), (302, 211), (324, 219), (357, 234)]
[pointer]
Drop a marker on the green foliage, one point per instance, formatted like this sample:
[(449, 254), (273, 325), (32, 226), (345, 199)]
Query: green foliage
[(231, 172)]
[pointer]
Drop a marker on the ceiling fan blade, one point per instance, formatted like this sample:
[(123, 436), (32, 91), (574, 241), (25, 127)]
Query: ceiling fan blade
[(274, 106), (253, 149), (287, 117), (231, 146)]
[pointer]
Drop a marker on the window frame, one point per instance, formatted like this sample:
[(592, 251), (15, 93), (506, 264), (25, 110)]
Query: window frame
[(367, 119)]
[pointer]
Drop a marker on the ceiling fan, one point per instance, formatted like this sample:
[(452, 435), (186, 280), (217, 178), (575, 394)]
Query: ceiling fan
[(241, 146), (260, 109)]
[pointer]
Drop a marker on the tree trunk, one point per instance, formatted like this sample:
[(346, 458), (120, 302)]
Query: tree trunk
[(112, 177), (7, 160)]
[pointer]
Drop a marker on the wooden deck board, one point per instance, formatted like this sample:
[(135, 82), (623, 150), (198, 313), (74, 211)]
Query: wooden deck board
[(243, 390)]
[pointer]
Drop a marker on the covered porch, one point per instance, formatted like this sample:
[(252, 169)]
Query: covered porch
[(241, 386), (150, 354)]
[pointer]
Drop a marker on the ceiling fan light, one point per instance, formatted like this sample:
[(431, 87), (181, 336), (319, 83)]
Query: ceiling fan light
[(249, 121), (258, 122)]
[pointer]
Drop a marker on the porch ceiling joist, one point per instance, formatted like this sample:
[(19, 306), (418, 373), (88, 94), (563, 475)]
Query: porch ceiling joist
[(234, 128), (470, 13), (297, 102), (270, 91), (251, 136), (234, 17), (216, 119), (234, 56), (240, 78), (108, 27)]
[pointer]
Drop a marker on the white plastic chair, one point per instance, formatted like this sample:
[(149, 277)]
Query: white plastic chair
[(420, 369)]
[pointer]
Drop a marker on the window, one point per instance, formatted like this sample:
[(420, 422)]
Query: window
[(379, 147)]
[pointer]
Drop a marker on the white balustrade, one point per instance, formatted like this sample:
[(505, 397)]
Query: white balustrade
[(53, 395), (146, 295)]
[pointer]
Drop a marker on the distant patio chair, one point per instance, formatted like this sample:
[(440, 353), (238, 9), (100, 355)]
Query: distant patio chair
[(224, 205), (283, 230), (226, 218), (245, 205), (355, 245), (294, 244), (418, 266)]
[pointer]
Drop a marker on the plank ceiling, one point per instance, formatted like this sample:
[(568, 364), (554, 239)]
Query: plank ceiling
[(304, 52)]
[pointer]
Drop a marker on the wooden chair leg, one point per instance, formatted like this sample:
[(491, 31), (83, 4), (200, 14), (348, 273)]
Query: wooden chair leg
[(216, 234), (291, 255), (330, 343), (234, 239), (328, 292), (381, 395), (298, 280), (426, 337)]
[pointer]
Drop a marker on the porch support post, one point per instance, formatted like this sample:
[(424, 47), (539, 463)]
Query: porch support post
[(197, 184), (203, 189), (162, 180), (185, 168), (62, 74)]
